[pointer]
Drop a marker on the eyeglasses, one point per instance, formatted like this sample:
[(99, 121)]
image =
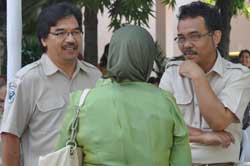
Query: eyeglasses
[(64, 34), (193, 37)]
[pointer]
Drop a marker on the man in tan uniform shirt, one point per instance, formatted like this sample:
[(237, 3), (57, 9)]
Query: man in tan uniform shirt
[(211, 92), (38, 97)]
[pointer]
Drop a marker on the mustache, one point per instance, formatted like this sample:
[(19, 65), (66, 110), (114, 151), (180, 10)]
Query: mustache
[(189, 52), (70, 45)]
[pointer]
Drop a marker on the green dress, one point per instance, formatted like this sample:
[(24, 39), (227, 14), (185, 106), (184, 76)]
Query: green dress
[(129, 124)]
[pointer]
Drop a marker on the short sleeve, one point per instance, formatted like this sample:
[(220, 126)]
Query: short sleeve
[(236, 94), (18, 107)]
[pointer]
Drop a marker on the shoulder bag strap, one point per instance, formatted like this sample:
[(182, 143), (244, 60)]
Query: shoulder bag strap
[(83, 96), (75, 123)]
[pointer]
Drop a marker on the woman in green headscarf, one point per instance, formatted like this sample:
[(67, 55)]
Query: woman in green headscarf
[(126, 121)]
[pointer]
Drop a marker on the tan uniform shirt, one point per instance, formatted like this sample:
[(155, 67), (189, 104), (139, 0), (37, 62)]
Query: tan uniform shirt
[(37, 101), (229, 82)]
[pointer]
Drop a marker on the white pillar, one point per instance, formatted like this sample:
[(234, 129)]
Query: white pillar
[(14, 37)]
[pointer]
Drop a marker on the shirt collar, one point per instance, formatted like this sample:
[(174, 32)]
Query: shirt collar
[(218, 66), (50, 68), (82, 65)]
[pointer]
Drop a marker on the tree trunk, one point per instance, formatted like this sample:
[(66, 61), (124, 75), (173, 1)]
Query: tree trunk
[(225, 7), (90, 48)]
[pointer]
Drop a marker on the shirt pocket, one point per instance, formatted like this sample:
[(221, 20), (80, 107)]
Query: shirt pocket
[(50, 104), (183, 99), (49, 113), (185, 104)]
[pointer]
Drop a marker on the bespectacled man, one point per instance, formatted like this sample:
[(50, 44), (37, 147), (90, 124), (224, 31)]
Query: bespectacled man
[(211, 92), (38, 97)]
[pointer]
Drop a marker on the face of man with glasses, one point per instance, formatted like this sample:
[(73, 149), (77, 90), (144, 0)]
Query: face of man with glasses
[(196, 42), (64, 40)]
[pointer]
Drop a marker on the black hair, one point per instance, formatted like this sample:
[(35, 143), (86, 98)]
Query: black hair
[(52, 14), (210, 13), (243, 51), (104, 58)]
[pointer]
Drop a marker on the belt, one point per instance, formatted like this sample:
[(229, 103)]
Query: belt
[(217, 164)]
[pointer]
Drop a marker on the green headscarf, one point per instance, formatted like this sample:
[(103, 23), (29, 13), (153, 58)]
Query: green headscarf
[(131, 54)]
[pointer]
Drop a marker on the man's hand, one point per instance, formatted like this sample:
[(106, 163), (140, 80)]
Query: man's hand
[(191, 70), (215, 138), (222, 138)]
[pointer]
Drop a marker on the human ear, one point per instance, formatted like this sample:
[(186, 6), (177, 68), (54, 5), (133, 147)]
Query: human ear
[(44, 42), (217, 36)]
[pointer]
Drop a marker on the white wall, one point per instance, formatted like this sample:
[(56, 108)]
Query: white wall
[(240, 33)]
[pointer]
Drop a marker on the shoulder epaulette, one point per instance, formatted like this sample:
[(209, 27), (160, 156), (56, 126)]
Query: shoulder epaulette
[(239, 66), (86, 64), (173, 63), (27, 68)]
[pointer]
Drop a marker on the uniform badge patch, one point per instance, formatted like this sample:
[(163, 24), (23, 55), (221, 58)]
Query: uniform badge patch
[(11, 92)]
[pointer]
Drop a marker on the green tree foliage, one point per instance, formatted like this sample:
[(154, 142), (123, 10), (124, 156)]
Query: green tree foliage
[(30, 50), (2, 16)]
